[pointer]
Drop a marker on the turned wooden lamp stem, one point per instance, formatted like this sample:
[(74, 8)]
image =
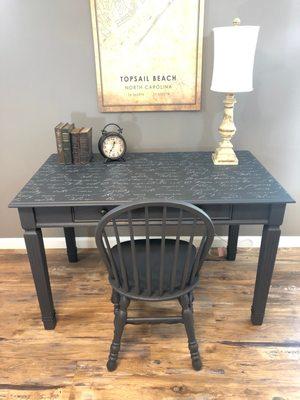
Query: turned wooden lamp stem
[(224, 154)]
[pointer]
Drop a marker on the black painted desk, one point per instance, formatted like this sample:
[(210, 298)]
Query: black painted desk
[(68, 196)]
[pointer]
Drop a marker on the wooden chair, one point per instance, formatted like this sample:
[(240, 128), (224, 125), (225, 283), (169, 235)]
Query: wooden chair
[(154, 267)]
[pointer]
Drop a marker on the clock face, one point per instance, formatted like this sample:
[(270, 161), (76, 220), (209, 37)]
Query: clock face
[(113, 147)]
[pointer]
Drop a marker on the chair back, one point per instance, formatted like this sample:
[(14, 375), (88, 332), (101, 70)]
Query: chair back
[(166, 244)]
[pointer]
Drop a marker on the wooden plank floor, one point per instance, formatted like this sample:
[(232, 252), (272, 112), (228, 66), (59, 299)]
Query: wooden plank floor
[(240, 361)]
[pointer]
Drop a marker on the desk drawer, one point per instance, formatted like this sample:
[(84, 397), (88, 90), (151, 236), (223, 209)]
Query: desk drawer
[(91, 213), (251, 212), (52, 215), (217, 211), (94, 213)]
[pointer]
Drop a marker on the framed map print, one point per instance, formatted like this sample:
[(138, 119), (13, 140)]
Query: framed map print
[(148, 54)]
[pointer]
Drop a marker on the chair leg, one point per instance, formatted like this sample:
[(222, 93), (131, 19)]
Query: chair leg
[(187, 315), (115, 299), (120, 322), (191, 300)]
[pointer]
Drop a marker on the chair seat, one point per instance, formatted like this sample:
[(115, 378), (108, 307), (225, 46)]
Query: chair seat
[(154, 261)]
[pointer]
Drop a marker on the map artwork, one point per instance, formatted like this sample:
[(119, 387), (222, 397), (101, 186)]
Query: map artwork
[(148, 54)]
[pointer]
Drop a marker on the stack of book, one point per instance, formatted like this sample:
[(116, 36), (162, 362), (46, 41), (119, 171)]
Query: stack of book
[(74, 145)]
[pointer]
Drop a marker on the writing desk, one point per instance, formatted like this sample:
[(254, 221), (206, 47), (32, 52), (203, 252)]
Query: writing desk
[(70, 195)]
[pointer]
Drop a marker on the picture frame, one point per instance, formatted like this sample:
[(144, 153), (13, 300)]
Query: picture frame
[(148, 55)]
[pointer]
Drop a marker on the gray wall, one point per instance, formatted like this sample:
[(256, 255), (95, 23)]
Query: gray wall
[(48, 76)]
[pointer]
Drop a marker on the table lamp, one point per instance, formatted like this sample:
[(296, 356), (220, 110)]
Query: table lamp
[(234, 51)]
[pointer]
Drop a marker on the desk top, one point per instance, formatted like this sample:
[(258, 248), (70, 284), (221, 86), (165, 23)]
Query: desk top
[(189, 176)]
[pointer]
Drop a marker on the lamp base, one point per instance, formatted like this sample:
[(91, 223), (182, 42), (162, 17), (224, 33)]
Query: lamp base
[(224, 156)]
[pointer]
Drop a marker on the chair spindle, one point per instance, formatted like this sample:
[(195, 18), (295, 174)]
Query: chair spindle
[(176, 251), (162, 251), (120, 254), (133, 254), (188, 258), (148, 269), (111, 260)]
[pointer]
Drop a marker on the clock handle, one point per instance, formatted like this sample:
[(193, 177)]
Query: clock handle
[(120, 130)]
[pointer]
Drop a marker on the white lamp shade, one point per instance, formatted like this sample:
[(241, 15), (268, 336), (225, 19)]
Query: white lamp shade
[(234, 51)]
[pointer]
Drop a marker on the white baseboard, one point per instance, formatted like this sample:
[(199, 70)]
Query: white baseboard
[(89, 242)]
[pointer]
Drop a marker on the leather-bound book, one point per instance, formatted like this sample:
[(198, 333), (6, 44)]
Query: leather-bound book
[(66, 142), (59, 146), (85, 145), (75, 143)]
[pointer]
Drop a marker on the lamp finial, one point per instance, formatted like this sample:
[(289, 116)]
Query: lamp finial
[(236, 22)]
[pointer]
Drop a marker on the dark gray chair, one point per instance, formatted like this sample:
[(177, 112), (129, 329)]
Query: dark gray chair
[(154, 267)]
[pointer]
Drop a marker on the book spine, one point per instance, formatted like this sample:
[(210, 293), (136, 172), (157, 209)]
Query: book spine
[(75, 140), (59, 145), (66, 147), (85, 147), (90, 154)]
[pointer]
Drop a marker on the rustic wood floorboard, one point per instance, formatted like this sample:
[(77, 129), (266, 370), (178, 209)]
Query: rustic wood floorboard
[(240, 361)]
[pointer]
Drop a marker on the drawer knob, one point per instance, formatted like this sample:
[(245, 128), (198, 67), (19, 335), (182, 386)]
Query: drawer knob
[(103, 211)]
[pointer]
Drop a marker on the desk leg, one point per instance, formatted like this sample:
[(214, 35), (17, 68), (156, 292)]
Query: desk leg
[(266, 262), (71, 244), (37, 258), (233, 236)]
